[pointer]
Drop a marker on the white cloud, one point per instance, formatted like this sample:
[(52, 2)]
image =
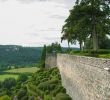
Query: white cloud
[(32, 23)]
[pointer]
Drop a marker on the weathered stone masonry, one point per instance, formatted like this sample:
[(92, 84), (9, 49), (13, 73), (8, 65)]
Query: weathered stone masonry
[(51, 60), (85, 78)]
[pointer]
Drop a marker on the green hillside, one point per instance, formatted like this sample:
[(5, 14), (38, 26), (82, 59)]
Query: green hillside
[(13, 55), (45, 84)]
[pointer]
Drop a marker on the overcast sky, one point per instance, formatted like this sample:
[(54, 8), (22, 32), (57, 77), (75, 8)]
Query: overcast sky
[(32, 22)]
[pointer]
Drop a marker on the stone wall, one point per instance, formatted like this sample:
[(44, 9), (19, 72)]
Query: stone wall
[(85, 78), (51, 60)]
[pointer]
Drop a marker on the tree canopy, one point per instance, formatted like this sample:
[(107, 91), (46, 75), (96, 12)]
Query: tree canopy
[(88, 19)]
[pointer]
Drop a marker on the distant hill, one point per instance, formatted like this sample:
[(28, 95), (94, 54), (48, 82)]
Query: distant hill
[(18, 56), (14, 55)]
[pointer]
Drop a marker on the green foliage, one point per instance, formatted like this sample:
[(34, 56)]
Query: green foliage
[(25, 98), (47, 97), (22, 94), (43, 57), (101, 53), (22, 77), (46, 83), (104, 56), (9, 83), (54, 48), (0, 84), (62, 96), (88, 19), (104, 43), (5, 98), (17, 56), (7, 86)]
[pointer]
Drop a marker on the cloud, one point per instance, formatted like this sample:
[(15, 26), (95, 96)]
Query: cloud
[(3, 0), (58, 16), (67, 2), (52, 38), (32, 22)]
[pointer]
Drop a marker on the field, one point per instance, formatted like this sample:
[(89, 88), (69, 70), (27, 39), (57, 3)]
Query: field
[(23, 70), (19, 70), (4, 76)]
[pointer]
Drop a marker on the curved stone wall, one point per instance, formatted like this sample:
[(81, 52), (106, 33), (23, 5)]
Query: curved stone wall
[(85, 78)]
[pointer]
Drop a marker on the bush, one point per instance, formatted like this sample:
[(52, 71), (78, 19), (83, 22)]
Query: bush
[(8, 83), (47, 97), (43, 86), (58, 89), (24, 98), (22, 78), (100, 51), (0, 84), (5, 98), (62, 96), (39, 92), (21, 94)]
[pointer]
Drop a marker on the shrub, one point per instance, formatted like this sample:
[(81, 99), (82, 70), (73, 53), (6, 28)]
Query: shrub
[(22, 77), (62, 96), (5, 98), (57, 90), (39, 92), (21, 94), (43, 86), (8, 83), (0, 84), (47, 97), (24, 98)]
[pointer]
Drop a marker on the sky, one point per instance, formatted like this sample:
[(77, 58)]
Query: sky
[(33, 22)]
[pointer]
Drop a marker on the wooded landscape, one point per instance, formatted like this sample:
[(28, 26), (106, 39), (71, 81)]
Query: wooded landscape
[(23, 75), (18, 56)]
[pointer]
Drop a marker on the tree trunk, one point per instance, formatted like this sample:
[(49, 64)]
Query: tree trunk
[(94, 33), (95, 39), (81, 46), (69, 46)]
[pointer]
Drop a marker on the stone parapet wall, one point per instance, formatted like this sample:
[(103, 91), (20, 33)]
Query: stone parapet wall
[(51, 60), (85, 78)]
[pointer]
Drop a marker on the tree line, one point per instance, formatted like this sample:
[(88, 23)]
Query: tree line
[(18, 56)]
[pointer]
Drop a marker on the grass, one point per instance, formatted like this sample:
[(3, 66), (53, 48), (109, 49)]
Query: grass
[(23, 70), (104, 56), (99, 54), (4, 76), (9, 73)]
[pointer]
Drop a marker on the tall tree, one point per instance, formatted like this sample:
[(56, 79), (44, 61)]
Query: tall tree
[(89, 18), (75, 26), (43, 57)]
